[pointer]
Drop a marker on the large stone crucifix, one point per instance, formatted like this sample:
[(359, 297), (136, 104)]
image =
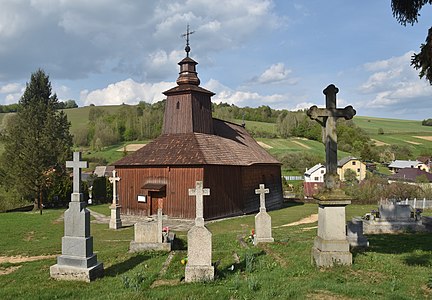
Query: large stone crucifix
[(262, 191), (327, 118), (199, 192), (114, 179), (77, 165)]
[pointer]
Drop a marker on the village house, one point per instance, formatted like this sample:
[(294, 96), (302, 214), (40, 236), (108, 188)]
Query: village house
[(313, 180), (411, 175), (397, 165), (354, 164), (194, 147)]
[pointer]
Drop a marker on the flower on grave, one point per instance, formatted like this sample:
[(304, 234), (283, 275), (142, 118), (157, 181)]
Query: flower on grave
[(184, 261), (165, 229)]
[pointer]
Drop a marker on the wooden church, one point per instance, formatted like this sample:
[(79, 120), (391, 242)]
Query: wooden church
[(194, 146)]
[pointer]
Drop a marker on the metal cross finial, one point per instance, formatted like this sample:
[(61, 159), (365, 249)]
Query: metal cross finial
[(187, 34)]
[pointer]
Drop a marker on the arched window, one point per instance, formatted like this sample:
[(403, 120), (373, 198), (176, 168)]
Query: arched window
[(178, 105)]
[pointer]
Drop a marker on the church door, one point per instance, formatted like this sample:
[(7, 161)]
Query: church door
[(154, 197)]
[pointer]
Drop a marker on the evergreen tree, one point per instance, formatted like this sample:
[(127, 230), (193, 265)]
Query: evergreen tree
[(37, 142), (407, 12)]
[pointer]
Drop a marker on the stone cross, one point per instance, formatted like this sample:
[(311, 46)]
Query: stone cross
[(262, 191), (114, 179), (327, 118), (77, 165), (199, 192)]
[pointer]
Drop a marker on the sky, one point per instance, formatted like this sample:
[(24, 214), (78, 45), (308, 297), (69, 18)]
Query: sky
[(279, 53)]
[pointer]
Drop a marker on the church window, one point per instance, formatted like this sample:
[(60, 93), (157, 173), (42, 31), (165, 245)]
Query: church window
[(178, 105)]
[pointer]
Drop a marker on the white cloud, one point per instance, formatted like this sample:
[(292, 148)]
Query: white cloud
[(75, 39), (276, 73), (127, 91), (11, 88), (394, 85)]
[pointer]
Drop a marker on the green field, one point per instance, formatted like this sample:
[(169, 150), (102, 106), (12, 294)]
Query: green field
[(393, 267), (399, 132)]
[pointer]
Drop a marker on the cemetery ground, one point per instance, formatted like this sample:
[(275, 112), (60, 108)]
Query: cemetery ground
[(395, 266)]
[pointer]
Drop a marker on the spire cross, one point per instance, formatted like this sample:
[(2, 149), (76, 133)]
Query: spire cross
[(187, 34)]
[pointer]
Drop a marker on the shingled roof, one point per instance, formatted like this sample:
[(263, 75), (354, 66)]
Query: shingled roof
[(230, 144)]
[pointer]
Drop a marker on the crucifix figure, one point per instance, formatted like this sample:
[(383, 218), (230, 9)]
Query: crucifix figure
[(187, 34), (262, 191), (327, 118), (199, 192), (114, 179), (77, 165)]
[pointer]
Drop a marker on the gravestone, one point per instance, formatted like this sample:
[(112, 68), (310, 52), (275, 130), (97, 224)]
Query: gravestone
[(393, 218), (263, 230), (395, 212), (331, 245), (198, 267), (149, 235), (77, 261), (115, 221), (355, 235)]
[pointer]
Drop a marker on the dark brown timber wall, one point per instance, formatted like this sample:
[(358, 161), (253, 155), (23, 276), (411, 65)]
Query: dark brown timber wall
[(178, 180)]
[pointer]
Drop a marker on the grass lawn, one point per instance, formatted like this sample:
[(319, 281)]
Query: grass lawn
[(394, 267)]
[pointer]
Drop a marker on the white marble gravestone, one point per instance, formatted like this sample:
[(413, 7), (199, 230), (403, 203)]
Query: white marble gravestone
[(263, 230), (198, 267), (77, 261), (115, 221)]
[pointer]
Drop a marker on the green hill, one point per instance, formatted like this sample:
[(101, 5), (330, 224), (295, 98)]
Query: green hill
[(407, 133)]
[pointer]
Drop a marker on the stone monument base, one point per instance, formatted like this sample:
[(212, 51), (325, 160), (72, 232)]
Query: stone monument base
[(115, 221), (138, 247), (331, 246), (64, 272), (355, 235), (199, 273), (381, 226), (257, 240), (331, 258)]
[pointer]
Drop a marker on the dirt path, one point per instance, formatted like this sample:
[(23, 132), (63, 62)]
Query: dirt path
[(311, 219), (20, 259), (379, 143), (301, 144), (264, 145)]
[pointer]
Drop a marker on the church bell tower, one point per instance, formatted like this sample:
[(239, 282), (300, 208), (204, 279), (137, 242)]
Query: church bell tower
[(188, 106)]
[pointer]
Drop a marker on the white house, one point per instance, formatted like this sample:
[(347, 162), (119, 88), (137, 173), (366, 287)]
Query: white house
[(315, 174)]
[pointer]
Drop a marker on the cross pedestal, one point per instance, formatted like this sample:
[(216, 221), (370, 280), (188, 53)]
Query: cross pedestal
[(115, 221), (331, 245), (198, 267), (263, 230), (77, 261)]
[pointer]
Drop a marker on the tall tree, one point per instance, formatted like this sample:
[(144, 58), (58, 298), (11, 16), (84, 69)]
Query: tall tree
[(37, 141), (407, 12)]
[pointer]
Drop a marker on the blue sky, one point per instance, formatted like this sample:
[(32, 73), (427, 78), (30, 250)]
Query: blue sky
[(250, 52)]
